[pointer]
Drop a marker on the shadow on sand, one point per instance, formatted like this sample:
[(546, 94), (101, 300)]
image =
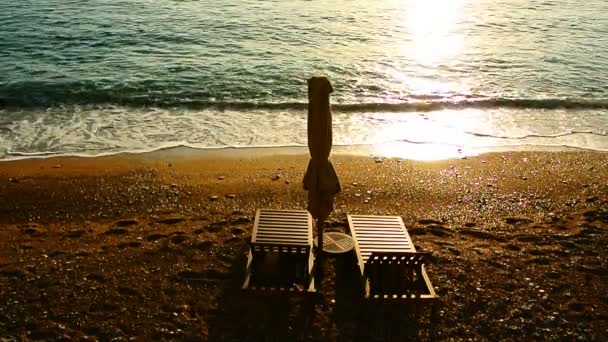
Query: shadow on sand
[(337, 313), (244, 316)]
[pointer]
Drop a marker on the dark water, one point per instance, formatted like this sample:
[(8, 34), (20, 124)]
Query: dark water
[(105, 76)]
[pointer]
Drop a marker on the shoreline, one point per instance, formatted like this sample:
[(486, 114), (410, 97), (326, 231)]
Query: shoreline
[(404, 151)]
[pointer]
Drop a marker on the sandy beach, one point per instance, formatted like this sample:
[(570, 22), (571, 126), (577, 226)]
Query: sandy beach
[(153, 246)]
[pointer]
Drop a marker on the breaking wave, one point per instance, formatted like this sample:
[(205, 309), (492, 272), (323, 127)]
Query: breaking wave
[(14, 99)]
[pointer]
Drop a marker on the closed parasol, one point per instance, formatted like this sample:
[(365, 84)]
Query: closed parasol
[(320, 179)]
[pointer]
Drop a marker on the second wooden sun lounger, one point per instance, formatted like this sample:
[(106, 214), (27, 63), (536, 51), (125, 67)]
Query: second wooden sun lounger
[(390, 266), (280, 256)]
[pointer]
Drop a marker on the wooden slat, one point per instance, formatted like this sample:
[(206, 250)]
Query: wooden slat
[(303, 216), (283, 243), (380, 237), (294, 228), (386, 236), (371, 241), (382, 232), (279, 213), (283, 231), (280, 217), (287, 241), (280, 242), (380, 223), (384, 249), (384, 244), (284, 218), (281, 238), (357, 218), (378, 226), (285, 212), (379, 229), (283, 225), (285, 222), (372, 238), (374, 228), (372, 225)]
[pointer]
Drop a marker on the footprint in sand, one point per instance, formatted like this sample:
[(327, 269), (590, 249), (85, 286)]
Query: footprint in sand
[(156, 237), (75, 233), (129, 244), (128, 291), (96, 277), (173, 220), (116, 231), (177, 239), (125, 223), (202, 245)]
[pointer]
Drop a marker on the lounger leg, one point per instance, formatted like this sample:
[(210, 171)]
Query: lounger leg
[(248, 271), (433, 320), (319, 256)]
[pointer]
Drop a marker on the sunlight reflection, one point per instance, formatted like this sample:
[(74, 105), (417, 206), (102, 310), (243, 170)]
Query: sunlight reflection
[(431, 136), (432, 24), (423, 152)]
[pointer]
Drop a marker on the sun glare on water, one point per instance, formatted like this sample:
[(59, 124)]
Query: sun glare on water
[(432, 26), (420, 137), (435, 40)]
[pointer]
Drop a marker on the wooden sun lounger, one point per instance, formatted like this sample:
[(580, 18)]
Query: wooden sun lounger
[(390, 266), (280, 254)]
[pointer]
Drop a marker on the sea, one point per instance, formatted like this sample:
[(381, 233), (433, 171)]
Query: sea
[(420, 79)]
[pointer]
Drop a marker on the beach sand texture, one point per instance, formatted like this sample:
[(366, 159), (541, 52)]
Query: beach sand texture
[(153, 247)]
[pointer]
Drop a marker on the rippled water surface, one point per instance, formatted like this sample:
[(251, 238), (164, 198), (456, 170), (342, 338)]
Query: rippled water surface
[(108, 75)]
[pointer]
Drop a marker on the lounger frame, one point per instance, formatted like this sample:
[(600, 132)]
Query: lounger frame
[(280, 257), (391, 269)]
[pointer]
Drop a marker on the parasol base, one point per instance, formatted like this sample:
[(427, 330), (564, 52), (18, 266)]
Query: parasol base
[(336, 243)]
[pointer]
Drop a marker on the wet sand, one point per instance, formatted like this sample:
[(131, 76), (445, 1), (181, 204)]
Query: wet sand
[(153, 246)]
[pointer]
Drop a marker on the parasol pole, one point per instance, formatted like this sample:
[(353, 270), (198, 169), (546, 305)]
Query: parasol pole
[(320, 235), (319, 259)]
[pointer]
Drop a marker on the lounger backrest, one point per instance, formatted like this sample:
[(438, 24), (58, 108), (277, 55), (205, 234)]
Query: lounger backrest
[(395, 273)]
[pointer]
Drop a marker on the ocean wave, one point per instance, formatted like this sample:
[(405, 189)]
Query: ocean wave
[(45, 94), (412, 104)]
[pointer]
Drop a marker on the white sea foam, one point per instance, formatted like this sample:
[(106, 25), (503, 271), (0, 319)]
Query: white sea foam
[(112, 129)]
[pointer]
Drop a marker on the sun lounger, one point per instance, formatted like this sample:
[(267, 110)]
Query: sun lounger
[(280, 254), (390, 266)]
